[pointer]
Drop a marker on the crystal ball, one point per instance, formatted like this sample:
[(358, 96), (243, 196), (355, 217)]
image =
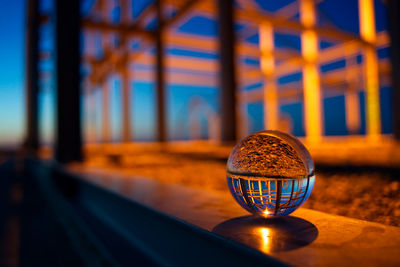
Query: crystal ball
[(270, 173)]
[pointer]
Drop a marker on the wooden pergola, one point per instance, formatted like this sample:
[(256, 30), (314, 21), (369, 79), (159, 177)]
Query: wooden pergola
[(231, 73)]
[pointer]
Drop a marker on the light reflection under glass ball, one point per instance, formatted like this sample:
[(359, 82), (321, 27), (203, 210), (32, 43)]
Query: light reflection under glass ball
[(270, 173)]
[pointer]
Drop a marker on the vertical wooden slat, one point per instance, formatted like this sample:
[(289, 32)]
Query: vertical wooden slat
[(352, 102), (271, 108), (125, 76), (160, 75), (105, 111), (371, 74), (311, 81), (126, 107)]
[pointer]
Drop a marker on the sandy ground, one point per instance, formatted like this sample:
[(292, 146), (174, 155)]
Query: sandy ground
[(372, 195)]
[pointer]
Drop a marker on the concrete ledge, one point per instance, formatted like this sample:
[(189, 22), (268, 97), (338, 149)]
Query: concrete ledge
[(307, 238)]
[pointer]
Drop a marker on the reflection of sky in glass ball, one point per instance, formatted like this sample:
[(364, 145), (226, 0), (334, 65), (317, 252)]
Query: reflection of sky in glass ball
[(270, 173)]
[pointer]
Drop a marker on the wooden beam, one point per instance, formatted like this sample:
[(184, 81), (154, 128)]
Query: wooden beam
[(292, 64), (325, 56), (200, 76), (331, 81), (184, 8), (130, 31), (209, 44), (189, 79), (122, 29), (257, 16), (99, 67), (181, 62), (192, 70)]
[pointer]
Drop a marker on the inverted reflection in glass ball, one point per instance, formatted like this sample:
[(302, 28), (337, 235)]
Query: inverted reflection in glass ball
[(270, 173)]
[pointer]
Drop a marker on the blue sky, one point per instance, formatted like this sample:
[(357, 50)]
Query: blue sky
[(12, 101), (12, 107)]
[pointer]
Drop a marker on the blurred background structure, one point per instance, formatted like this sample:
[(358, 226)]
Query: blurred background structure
[(297, 66), (164, 88)]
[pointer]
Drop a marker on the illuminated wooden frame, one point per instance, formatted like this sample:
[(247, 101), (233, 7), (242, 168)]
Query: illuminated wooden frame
[(119, 59)]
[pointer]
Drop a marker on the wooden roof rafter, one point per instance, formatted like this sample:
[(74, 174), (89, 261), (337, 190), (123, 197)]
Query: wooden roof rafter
[(150, 35), (293, 63), (257, 16)]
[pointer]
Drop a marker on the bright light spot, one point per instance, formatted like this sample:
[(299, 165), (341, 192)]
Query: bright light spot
[(265, 234), (267, 212)]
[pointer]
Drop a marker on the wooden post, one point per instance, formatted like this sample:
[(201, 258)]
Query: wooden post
[(126, 9), (126, 110), (394, 30), (105, 111), (90, 131), (370, 62), (125, 75), (352, 102), (271, 106), (106, 41), (67, 68), (311, 81), (243, 130), (227, 70), (160, 75), (32, 75)]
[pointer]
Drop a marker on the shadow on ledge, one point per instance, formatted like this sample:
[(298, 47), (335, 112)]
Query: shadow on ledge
[(268, 234)]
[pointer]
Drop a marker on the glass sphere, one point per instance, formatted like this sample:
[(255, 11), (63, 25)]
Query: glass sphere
[(270, 173)]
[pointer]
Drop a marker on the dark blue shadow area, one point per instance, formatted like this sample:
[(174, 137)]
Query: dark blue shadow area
[(295, 111), (386, 110), (334, 116), (280, 233), (256, 116)]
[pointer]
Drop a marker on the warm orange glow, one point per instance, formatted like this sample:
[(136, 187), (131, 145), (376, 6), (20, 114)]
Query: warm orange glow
[(352, 101), (371, 76), (266, 33), (266, 41), (367, 20), (192, 69), (372, 87), (309, 45), (266, 235), (307, 11), (352, 111), (267, 211), (311, 82)]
